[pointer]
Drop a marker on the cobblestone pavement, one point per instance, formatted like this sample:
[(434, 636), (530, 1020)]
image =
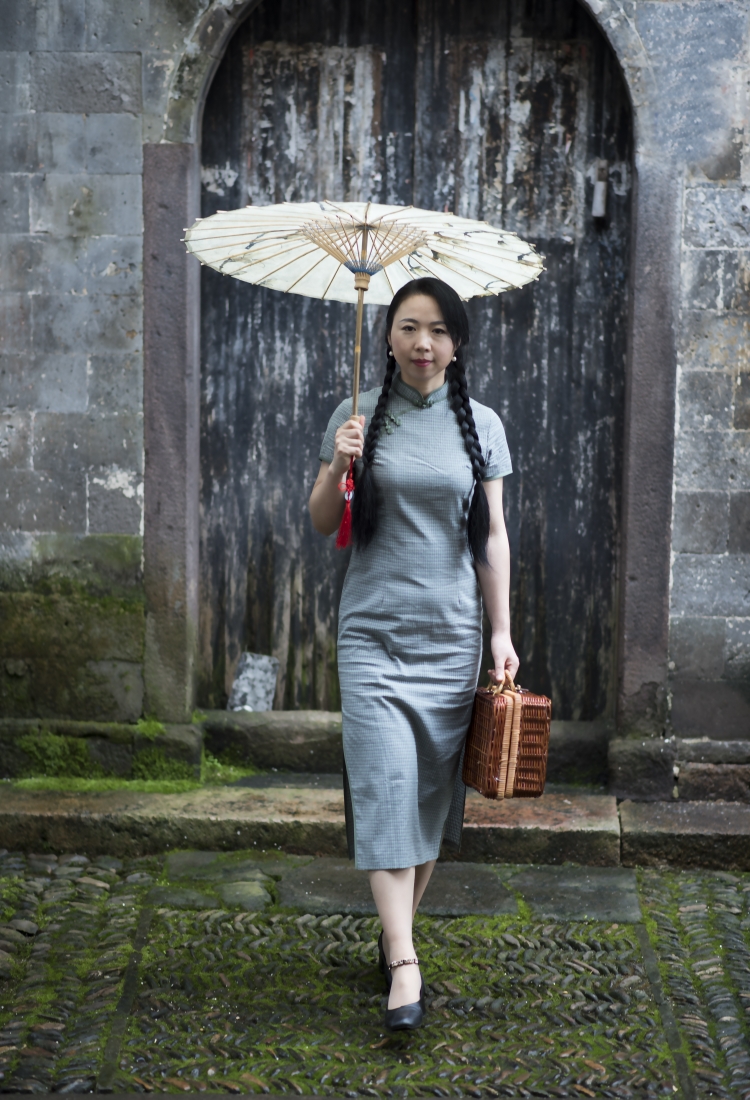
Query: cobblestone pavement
[(103, 988)]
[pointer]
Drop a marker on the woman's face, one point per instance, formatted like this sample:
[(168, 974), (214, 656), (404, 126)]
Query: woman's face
[(420, 343)]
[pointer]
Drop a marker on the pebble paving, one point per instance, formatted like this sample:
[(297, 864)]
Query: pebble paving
[(104, 989)]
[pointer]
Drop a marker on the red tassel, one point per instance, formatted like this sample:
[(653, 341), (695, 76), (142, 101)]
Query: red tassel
[(344, 537)]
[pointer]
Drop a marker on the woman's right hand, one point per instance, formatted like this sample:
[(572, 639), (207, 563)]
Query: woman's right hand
[(348, 443)]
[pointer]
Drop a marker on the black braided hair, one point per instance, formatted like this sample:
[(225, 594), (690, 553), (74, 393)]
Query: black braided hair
[(365, 503)]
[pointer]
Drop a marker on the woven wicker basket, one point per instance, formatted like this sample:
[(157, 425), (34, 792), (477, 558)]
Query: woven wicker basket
[(507, 743)]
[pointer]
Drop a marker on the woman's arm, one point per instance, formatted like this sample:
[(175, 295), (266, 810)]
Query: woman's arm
[(326, 499), (494, 581)]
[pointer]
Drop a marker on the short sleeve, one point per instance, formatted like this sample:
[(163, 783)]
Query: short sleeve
[(496, 453), (340, 416)]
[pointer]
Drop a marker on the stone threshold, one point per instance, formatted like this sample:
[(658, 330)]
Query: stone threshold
[(557, 828), (581, 828)]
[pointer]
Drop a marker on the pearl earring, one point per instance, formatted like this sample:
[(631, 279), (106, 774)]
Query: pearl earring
[(453, 360), (390, 353)]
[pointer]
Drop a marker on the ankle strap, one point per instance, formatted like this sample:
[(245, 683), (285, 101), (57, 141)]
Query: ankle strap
[(403, 962)]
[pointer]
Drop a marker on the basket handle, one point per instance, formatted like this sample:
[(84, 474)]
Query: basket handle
[(507, 685)]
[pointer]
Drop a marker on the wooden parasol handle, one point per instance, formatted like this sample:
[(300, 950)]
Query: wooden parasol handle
[(361, 284)]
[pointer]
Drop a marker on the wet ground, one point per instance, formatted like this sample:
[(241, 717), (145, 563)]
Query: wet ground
[(190, 975)]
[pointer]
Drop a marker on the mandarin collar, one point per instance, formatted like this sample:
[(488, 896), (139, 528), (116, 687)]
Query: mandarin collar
[(414, 397)]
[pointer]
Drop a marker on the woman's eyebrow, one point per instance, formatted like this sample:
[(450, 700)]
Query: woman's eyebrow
[(414, 321)]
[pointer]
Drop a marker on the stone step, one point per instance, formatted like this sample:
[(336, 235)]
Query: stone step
[(581, 828), (686, 834), (310, 740)]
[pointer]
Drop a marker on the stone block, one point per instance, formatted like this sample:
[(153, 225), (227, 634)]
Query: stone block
[(641, 770), (176, 897), (115, 502), (55, 382), (70, 629), (96, 323), (87, 83), (31, 500), (19, 269), (84, 205), (578, 752), (66, 686), (556, 828), (18, 143), (61, 25), (700, 522), (15, 77), (712, 460), (111, 756), (702, 750), (61, 142), (715, 279), (106, 566), (120, 684), (18, 25), (88, 266), (686, 834), (741, 417), (579, 893), (711, 341), (179, 744), (249, 896), (705, 400), (716, 217), (719, 709), (713, 782), (738, 650), (15, 326), (86, 441), (739, 523), (15, 441), (14, 203), (697, 648), (711, 585), (335, 886), (114, 144), (115, 381), (304, 740)]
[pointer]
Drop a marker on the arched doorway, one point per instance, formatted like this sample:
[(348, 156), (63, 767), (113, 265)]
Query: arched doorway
[(508, 114)]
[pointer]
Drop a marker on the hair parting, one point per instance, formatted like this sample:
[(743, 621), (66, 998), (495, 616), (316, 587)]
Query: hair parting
[(365, 503)]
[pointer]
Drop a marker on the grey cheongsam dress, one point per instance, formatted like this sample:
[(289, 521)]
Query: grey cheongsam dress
[(410, 629)]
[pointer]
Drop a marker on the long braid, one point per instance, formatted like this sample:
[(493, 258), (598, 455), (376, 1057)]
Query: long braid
[(365, 502), (478, 523)]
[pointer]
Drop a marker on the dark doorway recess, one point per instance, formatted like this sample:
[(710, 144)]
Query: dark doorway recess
[(505, 111)]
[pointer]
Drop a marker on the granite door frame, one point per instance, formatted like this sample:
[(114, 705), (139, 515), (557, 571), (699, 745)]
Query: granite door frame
[(171, 189)]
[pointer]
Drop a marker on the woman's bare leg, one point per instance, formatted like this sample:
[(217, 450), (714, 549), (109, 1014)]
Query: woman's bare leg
[(421, 878), (393, 892)]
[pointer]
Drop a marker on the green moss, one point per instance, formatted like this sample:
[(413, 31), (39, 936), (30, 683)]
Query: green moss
[(68, 783), (52, 755), (153, 763), (10, 895), (198, 716), (215, 771), (149, 727)]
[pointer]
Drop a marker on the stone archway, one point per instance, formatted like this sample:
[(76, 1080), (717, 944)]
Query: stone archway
[(171, 366)]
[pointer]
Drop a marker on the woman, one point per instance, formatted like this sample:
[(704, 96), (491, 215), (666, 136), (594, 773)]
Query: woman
[(428, 533)]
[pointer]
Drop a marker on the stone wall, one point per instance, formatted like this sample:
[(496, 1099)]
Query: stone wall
[(84, 85), (710, 596)]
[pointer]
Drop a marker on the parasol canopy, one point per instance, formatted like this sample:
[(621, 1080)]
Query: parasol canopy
[(313, 248)]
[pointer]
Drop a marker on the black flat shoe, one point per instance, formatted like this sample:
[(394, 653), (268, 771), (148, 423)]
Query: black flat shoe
[(383, 964), (407, 1017)]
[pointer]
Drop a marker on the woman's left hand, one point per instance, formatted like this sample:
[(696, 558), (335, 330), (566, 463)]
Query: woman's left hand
[(505, 658)]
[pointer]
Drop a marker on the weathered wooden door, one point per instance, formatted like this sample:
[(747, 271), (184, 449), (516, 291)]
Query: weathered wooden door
[(506, 111)]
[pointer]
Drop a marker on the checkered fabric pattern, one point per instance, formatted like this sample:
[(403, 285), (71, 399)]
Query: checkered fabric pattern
[(410, 629)]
